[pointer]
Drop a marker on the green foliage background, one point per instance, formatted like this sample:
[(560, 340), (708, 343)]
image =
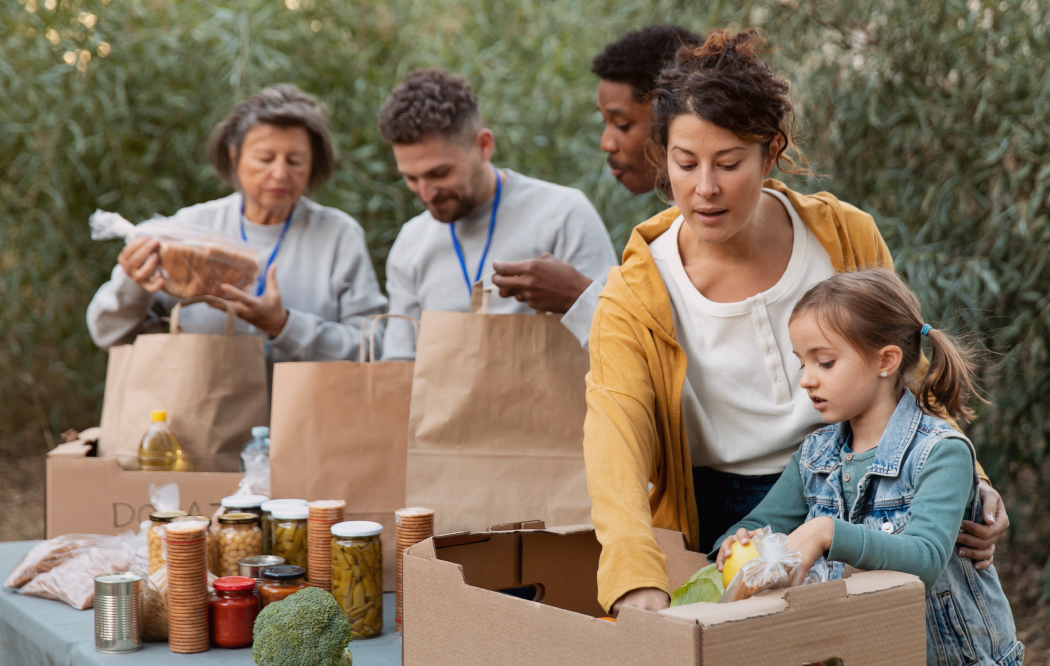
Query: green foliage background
[(930, 114)]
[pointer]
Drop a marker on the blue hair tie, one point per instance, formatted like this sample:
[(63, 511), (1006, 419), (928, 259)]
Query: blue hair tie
[(925, 329)]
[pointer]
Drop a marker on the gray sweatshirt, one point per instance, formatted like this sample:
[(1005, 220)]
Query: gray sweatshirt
[(423, 272), (326, 280)]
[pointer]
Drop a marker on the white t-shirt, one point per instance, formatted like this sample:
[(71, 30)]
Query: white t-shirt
[(743, 410)]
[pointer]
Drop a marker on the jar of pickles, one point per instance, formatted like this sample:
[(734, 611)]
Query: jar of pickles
[(239, 536), (267, 519), (154, 544), (244, 504), (209, 540), (280, 583), (357, 575), (289, 534)]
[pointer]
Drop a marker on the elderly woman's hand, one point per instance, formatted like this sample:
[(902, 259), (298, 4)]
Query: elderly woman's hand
[(140, 260), (265, 312)]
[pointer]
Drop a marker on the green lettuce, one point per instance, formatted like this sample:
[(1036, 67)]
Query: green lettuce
[(705, 585)]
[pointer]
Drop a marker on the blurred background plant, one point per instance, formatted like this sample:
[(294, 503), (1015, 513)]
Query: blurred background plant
[(930, 114)]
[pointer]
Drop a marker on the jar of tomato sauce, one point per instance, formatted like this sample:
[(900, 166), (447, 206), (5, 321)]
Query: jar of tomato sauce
[(233, 608), (280, 583)]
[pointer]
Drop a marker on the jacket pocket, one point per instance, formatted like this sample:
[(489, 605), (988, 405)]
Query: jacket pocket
[(952, 634)]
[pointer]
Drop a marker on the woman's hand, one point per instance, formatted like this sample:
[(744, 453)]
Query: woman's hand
[(812, 539), (726, 549), (978, 541), (646, 598), (265, 312), (140, 260)]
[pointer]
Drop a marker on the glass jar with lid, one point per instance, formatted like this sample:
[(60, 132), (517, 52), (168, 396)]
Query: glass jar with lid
[(280, 583), (267, 519), (357, 575), (244, 504), (209, 540), (289, 534), (239, 536), (232, 611), (155, 534)]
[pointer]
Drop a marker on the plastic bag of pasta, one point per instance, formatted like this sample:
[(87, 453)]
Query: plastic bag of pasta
[(47, 555), (194, 260)]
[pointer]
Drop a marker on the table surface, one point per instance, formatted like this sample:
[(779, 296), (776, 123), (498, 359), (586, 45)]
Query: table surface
[(43, 632)]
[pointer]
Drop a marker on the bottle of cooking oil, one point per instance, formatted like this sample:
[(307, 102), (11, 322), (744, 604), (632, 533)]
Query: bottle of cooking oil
[(159, 451)]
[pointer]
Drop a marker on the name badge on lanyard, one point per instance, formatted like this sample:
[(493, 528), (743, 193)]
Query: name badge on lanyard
[(488, 240), (260, 283)]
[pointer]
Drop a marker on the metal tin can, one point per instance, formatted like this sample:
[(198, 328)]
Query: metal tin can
[(253, 565), (118, 612)]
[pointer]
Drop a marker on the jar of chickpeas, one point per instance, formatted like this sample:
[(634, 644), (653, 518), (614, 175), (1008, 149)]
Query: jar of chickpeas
[(157, 521), (289, 534), (209, 541), (267, 519), (239, 536), (357, 575)]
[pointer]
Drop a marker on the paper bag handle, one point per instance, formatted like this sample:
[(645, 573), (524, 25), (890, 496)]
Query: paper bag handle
[(231, 316), (373, 320), (481, 297)]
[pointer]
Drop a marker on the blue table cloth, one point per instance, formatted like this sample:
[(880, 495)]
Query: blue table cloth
[(43, 632)]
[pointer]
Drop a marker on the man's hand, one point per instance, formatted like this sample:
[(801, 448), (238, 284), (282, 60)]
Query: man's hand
[(546, 283), (978, 541), (140, 260), (646, 598), (265, 312)]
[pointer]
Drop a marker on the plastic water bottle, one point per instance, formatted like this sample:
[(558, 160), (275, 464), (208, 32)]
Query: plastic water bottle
[(260, 444)]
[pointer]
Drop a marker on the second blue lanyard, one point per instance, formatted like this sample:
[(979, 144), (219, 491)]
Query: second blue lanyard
[(261, 282), (488, 240)]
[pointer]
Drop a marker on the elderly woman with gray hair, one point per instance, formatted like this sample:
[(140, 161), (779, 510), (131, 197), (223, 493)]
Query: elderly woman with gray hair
[(272, 148)]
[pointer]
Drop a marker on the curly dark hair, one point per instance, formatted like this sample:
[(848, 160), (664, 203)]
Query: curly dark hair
[(282, 105), (430, 102), (637, 58), (724, 82)]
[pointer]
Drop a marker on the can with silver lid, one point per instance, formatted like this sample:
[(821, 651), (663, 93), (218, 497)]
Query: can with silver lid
[(253, 565), (118, 612)]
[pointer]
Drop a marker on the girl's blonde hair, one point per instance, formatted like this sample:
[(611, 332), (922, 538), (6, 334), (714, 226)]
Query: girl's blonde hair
[(872, 309)]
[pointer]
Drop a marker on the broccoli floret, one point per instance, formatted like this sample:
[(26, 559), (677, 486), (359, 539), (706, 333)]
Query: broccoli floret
[(306, 629)]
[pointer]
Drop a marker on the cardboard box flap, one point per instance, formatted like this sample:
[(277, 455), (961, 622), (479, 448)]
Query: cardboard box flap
[(711, 614), (681, 562), (864, 582)]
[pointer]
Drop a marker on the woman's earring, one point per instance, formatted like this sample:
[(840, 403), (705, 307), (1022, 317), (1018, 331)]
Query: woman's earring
[(883, 374)]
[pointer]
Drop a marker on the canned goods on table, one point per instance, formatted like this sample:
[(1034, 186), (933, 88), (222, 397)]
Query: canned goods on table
[(357, 575), (266, 522), (239, 537), (254, 565), (118, 612)]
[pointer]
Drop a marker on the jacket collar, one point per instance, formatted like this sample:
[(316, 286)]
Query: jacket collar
[(894, 443)]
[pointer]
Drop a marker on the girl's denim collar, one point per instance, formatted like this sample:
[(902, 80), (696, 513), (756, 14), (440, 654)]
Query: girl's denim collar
[(892, 446)]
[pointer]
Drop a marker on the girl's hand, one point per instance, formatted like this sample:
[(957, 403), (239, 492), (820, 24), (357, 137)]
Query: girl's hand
[(265, 312), (812, 539), (140, 259), (726, 549)]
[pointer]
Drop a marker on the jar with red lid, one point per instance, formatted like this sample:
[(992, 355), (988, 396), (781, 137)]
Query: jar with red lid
[(232, 610)]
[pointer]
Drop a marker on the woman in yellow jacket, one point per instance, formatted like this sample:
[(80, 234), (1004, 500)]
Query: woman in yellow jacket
[(693, 404)]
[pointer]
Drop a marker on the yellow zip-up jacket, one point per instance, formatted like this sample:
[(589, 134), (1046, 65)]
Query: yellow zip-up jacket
[(634, 432)]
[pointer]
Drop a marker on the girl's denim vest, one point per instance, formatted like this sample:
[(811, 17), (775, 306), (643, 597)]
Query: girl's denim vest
[(968, 618)]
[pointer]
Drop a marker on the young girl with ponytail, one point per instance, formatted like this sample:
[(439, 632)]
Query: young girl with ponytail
[(889, 483)]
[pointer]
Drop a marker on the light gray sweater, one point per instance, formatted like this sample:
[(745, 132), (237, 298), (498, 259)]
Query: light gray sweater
[(423, 272), (325, 276)]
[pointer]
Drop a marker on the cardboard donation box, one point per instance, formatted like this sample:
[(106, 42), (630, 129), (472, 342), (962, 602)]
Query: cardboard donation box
[(456, 614), (97, 496)]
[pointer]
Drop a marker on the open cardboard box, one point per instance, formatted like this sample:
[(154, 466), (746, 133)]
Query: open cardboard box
[(453, 614), (95, 496)]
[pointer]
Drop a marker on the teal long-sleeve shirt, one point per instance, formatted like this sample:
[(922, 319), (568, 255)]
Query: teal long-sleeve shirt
[(944, 490)]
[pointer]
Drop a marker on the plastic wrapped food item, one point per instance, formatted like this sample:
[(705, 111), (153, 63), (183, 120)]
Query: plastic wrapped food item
[(194, 261), (776, 566), (357, 575), (73, 581), (47, 555), (290, 533), (155, 536), (239, 536), (209, 539)]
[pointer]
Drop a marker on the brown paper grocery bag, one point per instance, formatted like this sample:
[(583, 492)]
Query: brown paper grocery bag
[(212, 386), (339, 431), (496, 431)]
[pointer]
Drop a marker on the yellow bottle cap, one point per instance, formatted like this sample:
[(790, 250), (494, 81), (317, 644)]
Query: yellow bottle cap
[(159, 415)]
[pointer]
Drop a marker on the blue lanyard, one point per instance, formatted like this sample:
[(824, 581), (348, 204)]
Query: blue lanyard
[(261, 282), (488, 240)]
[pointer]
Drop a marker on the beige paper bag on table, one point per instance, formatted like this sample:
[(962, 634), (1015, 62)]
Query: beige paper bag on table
[(212, 386), (496, 431), (339, 430)]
